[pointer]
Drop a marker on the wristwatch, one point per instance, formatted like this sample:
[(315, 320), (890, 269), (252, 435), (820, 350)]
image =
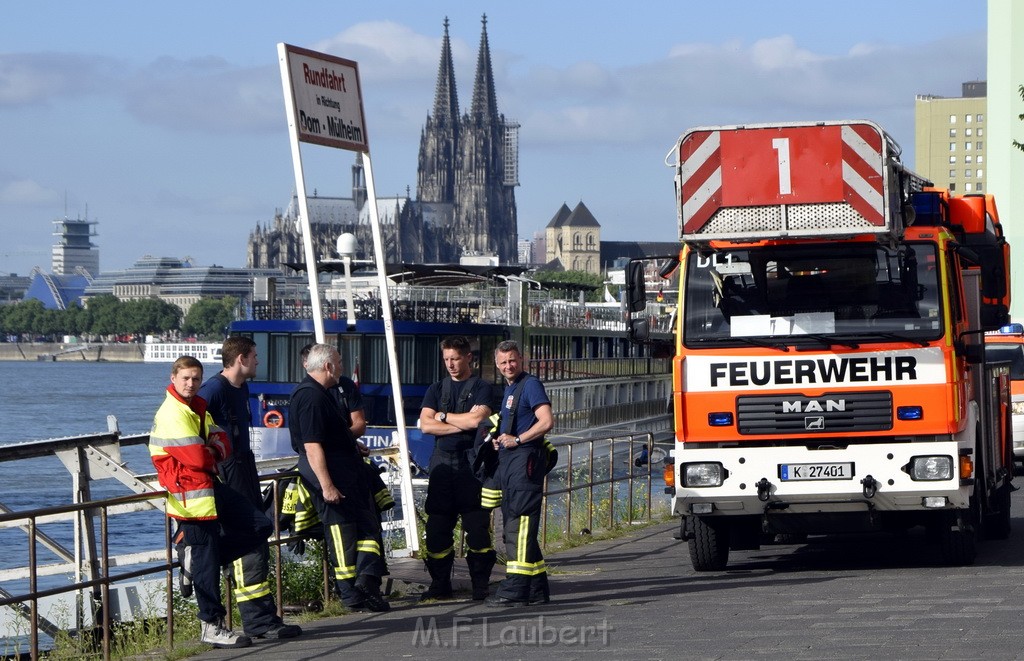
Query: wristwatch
[(444, 416), (519, 441)]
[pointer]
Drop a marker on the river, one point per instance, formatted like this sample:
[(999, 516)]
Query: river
[(71, 398), (43, 400)]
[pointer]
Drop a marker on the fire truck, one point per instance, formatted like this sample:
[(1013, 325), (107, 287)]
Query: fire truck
[(830, 372)]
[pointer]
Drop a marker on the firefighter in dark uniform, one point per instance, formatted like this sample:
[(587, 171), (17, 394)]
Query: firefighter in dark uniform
[(333, 471), (523, 460), (452, 410), (227, 395)]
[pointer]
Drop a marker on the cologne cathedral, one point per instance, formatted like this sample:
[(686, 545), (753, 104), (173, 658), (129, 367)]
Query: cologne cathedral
[(465, 199)]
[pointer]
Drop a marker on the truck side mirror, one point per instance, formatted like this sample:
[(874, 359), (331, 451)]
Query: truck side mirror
[(973, 352), (636, 291), (638, 330)]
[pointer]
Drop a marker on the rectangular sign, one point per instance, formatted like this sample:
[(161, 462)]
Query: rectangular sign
[(706, 373), (786, 165), (326, 97)]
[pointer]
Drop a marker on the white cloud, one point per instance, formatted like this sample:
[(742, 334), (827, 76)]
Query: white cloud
[(391, 52), (206, 94), (31, 78), (28, 193), (773, 79), (781, 53)]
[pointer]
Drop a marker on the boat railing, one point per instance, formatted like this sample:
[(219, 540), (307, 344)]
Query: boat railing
[(571, 369), (489, 305)]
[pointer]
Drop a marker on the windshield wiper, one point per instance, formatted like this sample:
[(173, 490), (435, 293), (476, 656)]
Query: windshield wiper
[(828, 340), (757, 342), (781, 346), (889, 335)]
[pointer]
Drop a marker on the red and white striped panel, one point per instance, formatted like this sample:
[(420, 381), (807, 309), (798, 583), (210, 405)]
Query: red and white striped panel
[(863, 181), (700, 178), (769, 166)]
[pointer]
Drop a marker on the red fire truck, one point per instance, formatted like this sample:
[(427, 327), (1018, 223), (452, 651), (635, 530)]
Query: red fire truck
[(830, 372)]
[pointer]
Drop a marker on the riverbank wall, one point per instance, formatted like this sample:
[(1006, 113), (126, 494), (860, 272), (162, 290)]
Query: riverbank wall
[(52, 351)]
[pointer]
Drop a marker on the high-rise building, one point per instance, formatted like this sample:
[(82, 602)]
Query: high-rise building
[(949, 139), (74, 247)]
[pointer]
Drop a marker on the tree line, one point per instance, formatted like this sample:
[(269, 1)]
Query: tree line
[(106, 317)]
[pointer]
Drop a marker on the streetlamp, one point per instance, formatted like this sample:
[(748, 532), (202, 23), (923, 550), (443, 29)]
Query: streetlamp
[(346, 247)]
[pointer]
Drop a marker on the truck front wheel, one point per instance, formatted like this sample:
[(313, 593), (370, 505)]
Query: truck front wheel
[(958, 537), (709, 545)]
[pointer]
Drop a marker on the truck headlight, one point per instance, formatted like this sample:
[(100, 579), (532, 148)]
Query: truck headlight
[(702, 475), (931, 468)]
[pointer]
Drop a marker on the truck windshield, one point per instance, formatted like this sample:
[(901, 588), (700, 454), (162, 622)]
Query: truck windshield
[(853, 291)]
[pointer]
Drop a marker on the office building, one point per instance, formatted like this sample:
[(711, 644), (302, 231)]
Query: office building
[(949, 139)]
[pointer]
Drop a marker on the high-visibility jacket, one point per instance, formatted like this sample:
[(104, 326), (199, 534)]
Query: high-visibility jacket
[(178, 444)]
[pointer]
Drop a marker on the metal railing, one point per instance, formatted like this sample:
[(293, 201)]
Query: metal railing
[(598, 477), (595, 482), (101, 580)]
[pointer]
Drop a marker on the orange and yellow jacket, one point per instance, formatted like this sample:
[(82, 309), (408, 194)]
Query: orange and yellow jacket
[(185, 446)]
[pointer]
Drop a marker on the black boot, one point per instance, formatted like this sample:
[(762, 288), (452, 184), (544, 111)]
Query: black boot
[(369, 588), (440, 570), (539, 591), (480, 566)]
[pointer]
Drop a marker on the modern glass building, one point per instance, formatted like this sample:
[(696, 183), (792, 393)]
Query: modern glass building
[(177, 281)]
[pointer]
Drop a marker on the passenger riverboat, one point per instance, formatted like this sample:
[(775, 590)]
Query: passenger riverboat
[(595, 377)]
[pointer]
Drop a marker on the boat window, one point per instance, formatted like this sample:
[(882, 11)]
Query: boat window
[(281, 362), (348, 347), (374, 367), (262, 341), (858, 289)]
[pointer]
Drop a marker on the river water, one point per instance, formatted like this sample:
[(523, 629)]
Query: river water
[(43, 400), (70, 398)]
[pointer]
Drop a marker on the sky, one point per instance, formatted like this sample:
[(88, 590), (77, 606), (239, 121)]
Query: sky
[(165, 122)]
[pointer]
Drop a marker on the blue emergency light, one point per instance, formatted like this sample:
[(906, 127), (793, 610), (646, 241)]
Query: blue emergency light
[(720, 419)]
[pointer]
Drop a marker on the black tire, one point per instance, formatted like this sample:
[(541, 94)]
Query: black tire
[(791, 538), (997, 523), (959, 543), (709, 546)]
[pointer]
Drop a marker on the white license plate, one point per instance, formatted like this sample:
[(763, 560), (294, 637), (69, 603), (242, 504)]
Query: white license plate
[(791, 472)]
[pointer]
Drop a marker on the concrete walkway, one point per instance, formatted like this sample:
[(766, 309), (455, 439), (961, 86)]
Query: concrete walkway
[(594, 589)]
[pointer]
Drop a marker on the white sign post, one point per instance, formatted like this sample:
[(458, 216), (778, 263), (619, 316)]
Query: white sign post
[(324, 105)]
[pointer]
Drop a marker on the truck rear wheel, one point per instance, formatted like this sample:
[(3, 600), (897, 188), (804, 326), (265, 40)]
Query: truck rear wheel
[(709, 546)]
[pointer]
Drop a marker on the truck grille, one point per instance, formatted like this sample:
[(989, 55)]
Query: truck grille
[(829, 414)]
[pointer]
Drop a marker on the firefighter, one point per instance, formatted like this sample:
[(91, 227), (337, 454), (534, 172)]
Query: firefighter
[(333, 471), (524, 458), (452, 410), (227, 395), (216, 525)]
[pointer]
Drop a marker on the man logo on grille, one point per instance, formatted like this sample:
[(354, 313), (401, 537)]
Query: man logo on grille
[(814, 422)]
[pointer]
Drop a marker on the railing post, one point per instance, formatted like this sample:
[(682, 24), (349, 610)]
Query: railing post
[(590, 504), (568, 493), (611, 483), (105, 587), (169, 581), (32, 588)]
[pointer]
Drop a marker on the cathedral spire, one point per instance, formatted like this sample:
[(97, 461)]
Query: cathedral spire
[(446, 98), (485, 105)]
